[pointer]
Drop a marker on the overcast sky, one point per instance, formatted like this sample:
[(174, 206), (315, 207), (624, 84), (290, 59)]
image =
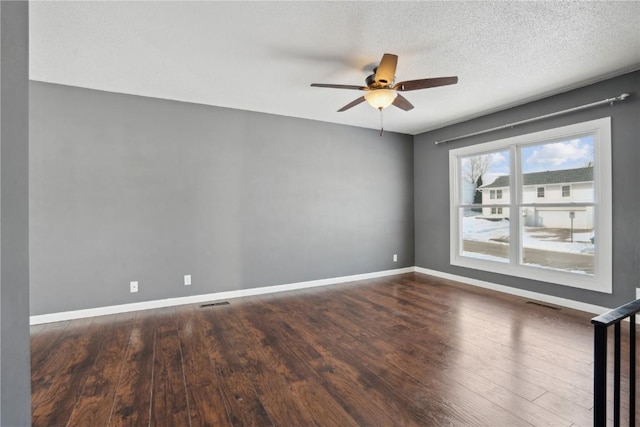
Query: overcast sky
[(569, 154)]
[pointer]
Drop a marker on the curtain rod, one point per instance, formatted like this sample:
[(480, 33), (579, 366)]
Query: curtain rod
[(621, 97)]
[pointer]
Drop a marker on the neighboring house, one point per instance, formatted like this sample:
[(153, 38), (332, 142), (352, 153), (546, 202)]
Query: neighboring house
[(550, 187)]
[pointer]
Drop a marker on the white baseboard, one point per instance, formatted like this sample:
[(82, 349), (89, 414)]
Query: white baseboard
[(563, 302), (124, 308)]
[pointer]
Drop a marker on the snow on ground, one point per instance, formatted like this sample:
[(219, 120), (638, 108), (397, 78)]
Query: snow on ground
[(498, 232)]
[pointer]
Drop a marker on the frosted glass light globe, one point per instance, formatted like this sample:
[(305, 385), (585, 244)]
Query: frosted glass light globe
[(380, 98)]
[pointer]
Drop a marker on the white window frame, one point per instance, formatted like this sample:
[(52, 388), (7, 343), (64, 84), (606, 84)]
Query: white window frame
[(544, 191), (601, 280), (562, 187), (499, 193)]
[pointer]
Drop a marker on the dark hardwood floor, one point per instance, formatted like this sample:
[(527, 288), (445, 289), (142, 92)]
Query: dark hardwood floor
[(399, 351)]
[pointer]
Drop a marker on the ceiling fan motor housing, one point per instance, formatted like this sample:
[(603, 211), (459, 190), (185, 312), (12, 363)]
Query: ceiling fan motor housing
[(373, 84), (371, 80)]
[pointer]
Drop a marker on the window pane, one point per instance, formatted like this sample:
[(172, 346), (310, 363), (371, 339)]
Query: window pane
[(545, 202), (550, 169), (484, 237), (559, 238), (478, 176)]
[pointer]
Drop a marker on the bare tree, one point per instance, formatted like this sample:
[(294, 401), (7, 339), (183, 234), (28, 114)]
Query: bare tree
[(475, 168)]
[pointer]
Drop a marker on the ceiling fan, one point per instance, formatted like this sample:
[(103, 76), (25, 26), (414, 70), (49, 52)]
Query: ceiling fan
[(381, 89)]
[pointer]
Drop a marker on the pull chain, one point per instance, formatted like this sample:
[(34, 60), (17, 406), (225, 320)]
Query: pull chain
[(381, 126)]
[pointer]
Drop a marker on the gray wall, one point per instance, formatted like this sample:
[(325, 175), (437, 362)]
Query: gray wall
[(15, 392), (131, 188), (432, 185)]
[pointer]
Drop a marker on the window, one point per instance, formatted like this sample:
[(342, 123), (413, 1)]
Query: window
[(545, 211)]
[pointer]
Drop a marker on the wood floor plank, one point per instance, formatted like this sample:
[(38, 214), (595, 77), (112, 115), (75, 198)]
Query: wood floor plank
[(429, 405), (239, 394), (470, 366), (45, 335), (206, 404), (334, 376), (575, 413), (100, 386), (567, 370), (538, 391), (169, 401), (56, 402), (343, 372), (323, 409), (502, 326), (281, 405), (50, 354), (132, 400), (403, 350), (424, 399)]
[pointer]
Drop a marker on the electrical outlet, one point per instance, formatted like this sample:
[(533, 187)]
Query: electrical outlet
[(187, 279), (395, 257), (133, 287)]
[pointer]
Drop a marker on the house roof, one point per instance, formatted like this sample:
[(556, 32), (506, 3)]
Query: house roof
[(548, 177)]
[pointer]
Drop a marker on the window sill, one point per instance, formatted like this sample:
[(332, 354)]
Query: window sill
[(597, 283)]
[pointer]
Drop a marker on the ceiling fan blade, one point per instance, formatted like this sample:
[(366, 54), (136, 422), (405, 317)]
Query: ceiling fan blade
[(402, 103), (425, 83), (352, 104), (387, 69), (353, 87)]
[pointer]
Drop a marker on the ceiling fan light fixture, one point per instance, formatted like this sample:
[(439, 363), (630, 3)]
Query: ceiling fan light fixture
[(380, 98), (380, 91)]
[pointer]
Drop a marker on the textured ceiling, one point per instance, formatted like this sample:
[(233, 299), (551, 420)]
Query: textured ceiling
[(262, 56)]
